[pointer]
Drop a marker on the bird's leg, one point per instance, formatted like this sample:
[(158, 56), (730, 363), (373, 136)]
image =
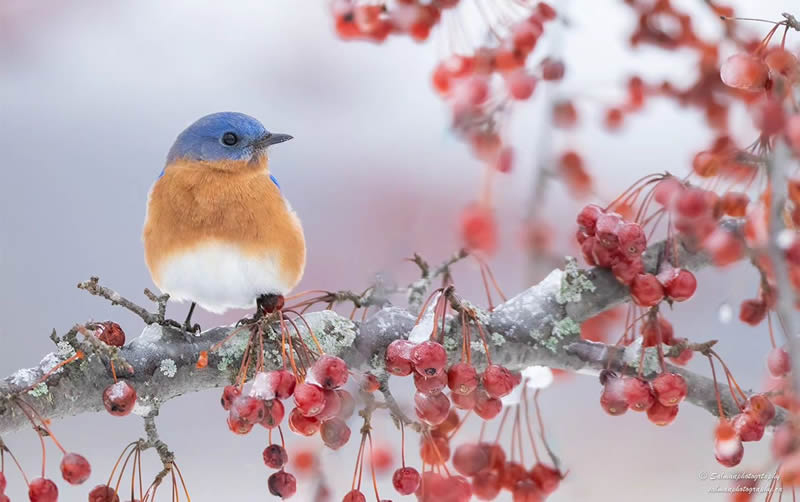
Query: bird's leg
[(187, 324), (269, 304)]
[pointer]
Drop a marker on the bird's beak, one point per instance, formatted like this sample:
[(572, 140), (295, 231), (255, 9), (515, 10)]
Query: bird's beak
[(271, 139)]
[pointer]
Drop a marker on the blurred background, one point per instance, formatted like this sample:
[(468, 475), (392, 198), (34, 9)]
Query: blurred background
[(93, 93)]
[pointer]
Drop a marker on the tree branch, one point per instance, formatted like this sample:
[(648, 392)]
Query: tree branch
[(540, 326)]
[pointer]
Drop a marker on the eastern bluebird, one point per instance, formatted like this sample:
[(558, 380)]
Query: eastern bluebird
[(218, 232)]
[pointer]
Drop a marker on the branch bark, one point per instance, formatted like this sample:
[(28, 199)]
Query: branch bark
[(539, 326)]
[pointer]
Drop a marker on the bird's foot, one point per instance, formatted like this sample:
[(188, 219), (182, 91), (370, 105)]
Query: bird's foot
[(269, 304), (186, 329)]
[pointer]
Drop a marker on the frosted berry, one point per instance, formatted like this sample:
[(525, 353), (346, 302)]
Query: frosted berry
[(499, 381), (464, 401), (237, 424), (347, 404), (670, 389), (679, 284), (282, 484), (606, 229), (520, 84), (434, 450), (335, 433), (526, 491), (275, 456), (612, 399), (42, 490), (75, 469), (729, 453), (309, 399), (748, 428), (429, 358), (406, 480), (552, 69), (632, 241), (587, 218), (398, 358), (119, 398), (330, 372), (249, 409), (761, 408), (486, 485), (638, 394), (753, 311), (332, 406)]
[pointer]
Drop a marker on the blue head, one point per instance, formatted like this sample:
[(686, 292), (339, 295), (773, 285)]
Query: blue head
[(223, 139)]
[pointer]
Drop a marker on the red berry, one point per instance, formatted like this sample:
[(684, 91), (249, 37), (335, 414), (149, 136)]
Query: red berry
[(748, 428), (42, 490), (499, 381), (606, 229), (282, 484), (470, 459), (512, 474), (75, 469), (335, 433), (3, 482), (670, 389), (761, 408), (783, 63), (646, 291), (111, 333), (526, 490), (309, 399), (330, 372), (587, 218), (103, 493), (119, 398), (347, 404), (462, 378), (793, 133), (632, 241), (524, 36), (249, 409), (520, 84), (753, 311), (398, 358), (332, 406), (638, 394), (303, 425), (487, 407), (429, 358), (406, 480), (546, 478), (434, 450), (724, 247), (552, 69), (744, 71), (431, 408), (464, 401), (626, 271), (545, 11), (779, 363), (229, 394), (432, 385), (486, 485), (283, 383), (237, 424), (692, 203), (354, 496), (273, 413), (564, 114), (657, 330), (679, 284), (662, 415), (275, 456)]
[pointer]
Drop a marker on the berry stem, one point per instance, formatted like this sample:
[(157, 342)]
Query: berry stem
[(528, 423), (308, 327), (4, 448), (716, 387), (372, 469)]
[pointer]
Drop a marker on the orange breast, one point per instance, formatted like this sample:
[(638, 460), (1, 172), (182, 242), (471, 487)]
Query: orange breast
[(191, 205)]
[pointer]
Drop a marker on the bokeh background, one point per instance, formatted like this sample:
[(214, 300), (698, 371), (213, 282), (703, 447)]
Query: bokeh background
[(92, 94)]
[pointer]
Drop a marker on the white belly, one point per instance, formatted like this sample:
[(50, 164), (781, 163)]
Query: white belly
[(219, 277)]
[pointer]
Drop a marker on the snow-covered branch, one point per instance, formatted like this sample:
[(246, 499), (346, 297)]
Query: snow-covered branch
[(539, 326)]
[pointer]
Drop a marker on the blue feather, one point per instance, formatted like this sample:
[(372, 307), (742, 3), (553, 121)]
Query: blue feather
[(275, 180)]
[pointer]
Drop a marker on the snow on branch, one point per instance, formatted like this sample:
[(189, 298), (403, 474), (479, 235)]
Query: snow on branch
[(539, 326)]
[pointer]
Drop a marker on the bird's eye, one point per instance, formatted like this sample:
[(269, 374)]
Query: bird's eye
[(229, 139)]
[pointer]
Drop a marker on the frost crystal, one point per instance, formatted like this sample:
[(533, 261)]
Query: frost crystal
[(573, 283), (168, 368)]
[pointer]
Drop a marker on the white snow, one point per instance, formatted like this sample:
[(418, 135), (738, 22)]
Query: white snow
[(538, 377)]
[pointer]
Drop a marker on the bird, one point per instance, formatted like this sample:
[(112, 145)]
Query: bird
[(218, 231)]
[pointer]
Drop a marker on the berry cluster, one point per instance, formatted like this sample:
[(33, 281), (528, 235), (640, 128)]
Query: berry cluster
[(659, 398), (749, 425), (608, 241)]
